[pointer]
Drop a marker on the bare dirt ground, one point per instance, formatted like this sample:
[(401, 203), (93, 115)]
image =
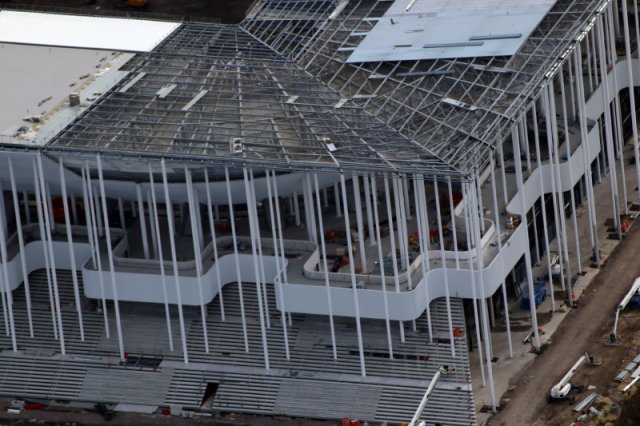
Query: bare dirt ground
[(582, 331)]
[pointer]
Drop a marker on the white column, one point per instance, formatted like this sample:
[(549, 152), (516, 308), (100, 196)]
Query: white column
[(527, 254), (255, 240), (23, 258), (472, 278), (280, 237), (383, 278), (367, 203), (543, 203), (443, 261), (586, 154), (5, 274), (45, 254), (325, 266), (572, 197), (359, 223), (356, 304), (48, 238), (263, 279), (281, 254), (72, 253), (505, 193), (397, 200), (153, 212), (4, 209), (232, 220), (195, 238), (152, 226), (112, 268), (94, 241), (554, 192), (480, 261), (143, 223), (423, 233), (214, 243), (394, 259), (174, 260)]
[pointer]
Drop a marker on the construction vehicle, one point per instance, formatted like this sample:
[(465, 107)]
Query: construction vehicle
[(561, 390), (632, 295), (415, 421)]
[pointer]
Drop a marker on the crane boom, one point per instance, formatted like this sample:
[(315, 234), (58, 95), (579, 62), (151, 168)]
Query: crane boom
[(623, 304), (562, 388)]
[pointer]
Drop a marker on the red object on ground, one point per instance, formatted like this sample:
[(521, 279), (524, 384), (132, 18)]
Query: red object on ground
[(624, 227), (356, 423), (165, 412), (33, 406), (346, 421)]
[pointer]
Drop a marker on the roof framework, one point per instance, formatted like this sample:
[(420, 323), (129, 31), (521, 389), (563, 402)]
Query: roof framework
[(280, 85), (411, 96)]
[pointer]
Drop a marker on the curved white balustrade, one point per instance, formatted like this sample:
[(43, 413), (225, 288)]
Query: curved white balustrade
[(311, 299)]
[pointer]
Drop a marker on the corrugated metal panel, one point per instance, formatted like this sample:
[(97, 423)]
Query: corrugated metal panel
[(130, 35), (424, 29)]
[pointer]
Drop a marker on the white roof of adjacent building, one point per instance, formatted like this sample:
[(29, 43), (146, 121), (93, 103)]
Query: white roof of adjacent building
[(439, 29), (129, 35)]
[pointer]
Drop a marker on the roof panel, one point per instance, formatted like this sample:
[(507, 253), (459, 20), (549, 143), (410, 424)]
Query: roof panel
[(425, 29), (129, 35)]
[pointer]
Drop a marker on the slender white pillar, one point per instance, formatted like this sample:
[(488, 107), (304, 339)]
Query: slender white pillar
[(156, 230), (367, 203), (72, 253), (255, 240), (232, 220), (359, 223), (278, 254), (45, 254), (195, 238), (554, 193), (383, 278), (567, 142), (505, 194), (586, 153), (263, 280), (397, 199), (527, 254), (543, 204), (475, 196), (325, 267), (214, 243), (5, 275), (423, 234), (4, 223), (174, 260), (23, 258), (443, 262), (562, 211), (356, 304), (405, 192), (283, 266), (152, 227), (472, 278), (96, 256), (143, 223), (392, 238), (608, 126), (112, 268), (309, 205), (49, 241)]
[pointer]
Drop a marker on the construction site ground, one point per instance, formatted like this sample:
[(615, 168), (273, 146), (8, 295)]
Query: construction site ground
[(583, 330)]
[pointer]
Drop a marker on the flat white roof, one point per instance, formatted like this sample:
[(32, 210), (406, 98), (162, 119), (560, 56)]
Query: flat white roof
[(90, 32), (441, 29)]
